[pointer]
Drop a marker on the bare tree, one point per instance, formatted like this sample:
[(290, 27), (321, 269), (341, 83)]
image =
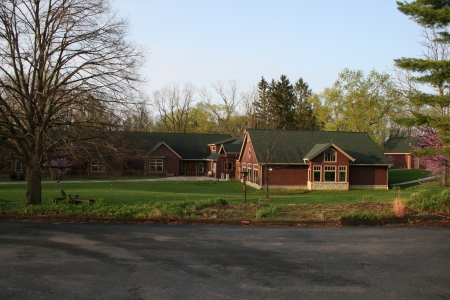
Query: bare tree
[(57, 58), (174, 106), (225, 109)]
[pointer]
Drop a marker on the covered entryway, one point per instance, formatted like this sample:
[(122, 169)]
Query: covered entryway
[(190, 168)]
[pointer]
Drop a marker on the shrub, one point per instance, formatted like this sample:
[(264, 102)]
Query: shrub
[(423, 202), (266, 211), (400, 209)]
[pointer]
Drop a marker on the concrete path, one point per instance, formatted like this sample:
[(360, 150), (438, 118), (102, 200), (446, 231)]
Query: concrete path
[(414, 181), (172, 178)]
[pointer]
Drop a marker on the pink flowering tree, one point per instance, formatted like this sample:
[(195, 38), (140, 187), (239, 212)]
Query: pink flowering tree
[(60, 164), (433, 153)]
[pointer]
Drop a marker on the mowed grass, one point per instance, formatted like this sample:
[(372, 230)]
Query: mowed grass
[(130, 193), (137, 193), (405, 175)]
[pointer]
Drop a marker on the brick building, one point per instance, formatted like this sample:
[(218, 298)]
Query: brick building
[(314, 160)]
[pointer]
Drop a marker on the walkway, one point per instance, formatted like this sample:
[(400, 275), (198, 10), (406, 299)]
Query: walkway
[(171, 178)]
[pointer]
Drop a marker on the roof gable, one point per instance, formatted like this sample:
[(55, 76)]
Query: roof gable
[(162, 144), (320, 148)]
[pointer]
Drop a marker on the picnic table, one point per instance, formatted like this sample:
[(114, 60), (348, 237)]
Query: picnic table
[(75, 199)]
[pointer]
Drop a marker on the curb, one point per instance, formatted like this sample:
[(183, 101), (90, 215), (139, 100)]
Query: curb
[(171, 221), (191, 221)]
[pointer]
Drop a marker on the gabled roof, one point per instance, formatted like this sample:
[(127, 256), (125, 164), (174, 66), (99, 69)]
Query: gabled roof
[(159, 145), (186, 145), (400, 145), (291, 147), (320, 148), (231, 148)]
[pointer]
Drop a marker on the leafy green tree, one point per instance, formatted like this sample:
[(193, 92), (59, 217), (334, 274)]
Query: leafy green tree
[(431, 71), (360, 103)]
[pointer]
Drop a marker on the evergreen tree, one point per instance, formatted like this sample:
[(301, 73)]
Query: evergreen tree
[(262, 108), (433, 14), (306, 119), (283, 103)]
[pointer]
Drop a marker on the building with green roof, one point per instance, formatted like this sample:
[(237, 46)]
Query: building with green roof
[(314, 160), (399, 151)]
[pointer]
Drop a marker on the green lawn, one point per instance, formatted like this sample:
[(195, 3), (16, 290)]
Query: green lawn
[(116, 193), (404, 175), (147, 192)]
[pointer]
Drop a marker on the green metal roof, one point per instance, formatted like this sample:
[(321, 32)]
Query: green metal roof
[(292, 147), (400, 145), (187, 145)]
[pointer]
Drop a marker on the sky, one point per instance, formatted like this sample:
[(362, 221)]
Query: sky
[(205, 41)]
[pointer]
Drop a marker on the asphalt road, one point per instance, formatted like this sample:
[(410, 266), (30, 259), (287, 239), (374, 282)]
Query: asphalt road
[(140, 261)]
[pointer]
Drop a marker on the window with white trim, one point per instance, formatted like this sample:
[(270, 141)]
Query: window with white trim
[(156, 165), (255, 174), (213, 149), (330, 173), (317, 173), (342, 173), (330, 155)]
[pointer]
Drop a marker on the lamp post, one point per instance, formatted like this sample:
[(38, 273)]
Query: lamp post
[(244, 176)]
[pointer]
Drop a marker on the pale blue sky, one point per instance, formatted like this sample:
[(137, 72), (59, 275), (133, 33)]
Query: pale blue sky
[(202, 41)]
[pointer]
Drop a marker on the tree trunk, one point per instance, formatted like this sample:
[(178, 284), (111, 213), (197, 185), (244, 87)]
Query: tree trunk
[(267, 181), (34, 178)]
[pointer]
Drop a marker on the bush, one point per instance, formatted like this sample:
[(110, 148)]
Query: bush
[(266, 211), (423, 202)]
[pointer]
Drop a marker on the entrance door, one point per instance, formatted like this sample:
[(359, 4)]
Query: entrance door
[(191, 168)]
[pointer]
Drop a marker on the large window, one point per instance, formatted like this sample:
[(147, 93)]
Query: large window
[(330, 155), (156, 165), (342, 173), (317, 173), (330, 173)]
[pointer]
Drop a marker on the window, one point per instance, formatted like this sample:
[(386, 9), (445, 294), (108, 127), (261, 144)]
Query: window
[(213, 149), (342, 173), (249, 152), (330, 155), (250, 173), (156, 165), (317, 173), (255, 174), (98, 166), (200, 167), (330, 173), (230, 166)]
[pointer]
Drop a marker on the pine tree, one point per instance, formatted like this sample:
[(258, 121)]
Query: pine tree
[(283, 100), (434, 14), (306, 119), (263, 112)]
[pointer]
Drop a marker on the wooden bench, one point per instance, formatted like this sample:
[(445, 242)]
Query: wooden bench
[(74, 200)]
